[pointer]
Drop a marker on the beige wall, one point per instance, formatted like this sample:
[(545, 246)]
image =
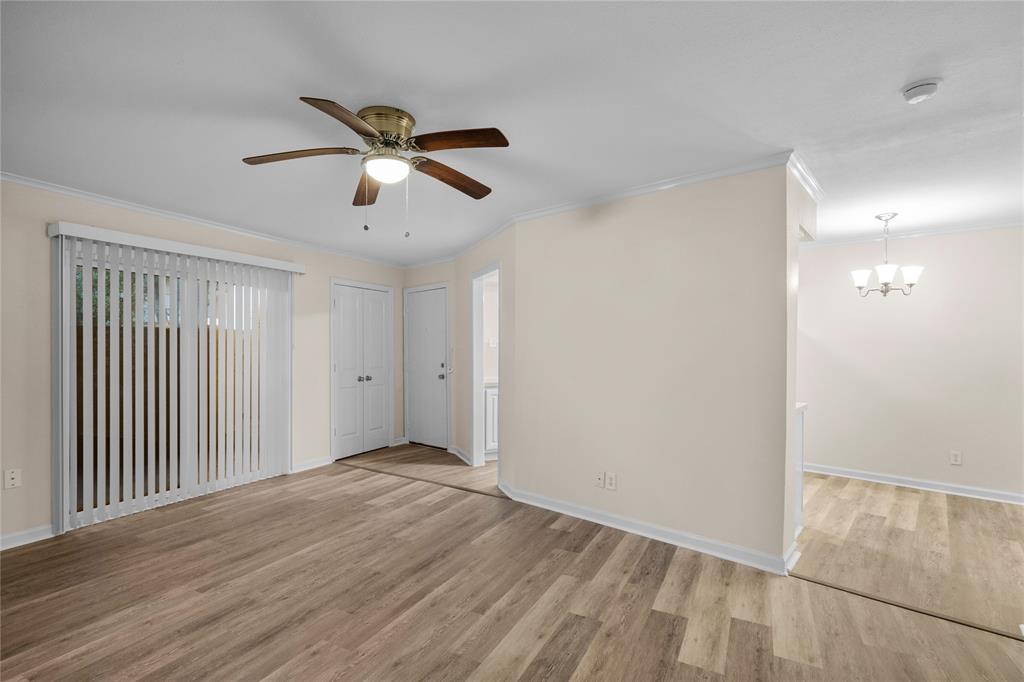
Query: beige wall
[(646, 336), (893, 384), (26, 331), (651, 341)]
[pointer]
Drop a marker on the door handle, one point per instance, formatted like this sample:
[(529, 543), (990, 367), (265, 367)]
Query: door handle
[(369, 378), (359, 378), (441, 376)]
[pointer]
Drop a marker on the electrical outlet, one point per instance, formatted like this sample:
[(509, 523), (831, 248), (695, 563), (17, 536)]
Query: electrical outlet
[(12, 478), (611, 481), (956, 458), (599, 479)]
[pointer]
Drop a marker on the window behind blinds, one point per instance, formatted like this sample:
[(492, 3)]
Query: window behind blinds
[(175, 377)]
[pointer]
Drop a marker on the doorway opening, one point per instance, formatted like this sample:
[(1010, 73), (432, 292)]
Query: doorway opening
[(486, 354)]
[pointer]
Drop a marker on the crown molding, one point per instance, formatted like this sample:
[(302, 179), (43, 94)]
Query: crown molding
[(867, 239), (803, 174), (184, 217), (771, 161), (780, 159)]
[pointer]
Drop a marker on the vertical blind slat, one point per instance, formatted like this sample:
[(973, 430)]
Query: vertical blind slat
[(87, 382), (138, 376), (114, 393), (150, 378), (187, 397), (243, 450), (160, 271), (229, 371), (173, 378), (127, 447), (71, 450), (101, 381), (221, 374), (204, 373)]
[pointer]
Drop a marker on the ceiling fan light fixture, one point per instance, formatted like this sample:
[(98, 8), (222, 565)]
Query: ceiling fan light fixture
[(387, 168)]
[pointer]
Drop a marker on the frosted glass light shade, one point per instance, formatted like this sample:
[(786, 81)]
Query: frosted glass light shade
[(860, 277), (911, 273), (886, 272), (386, 169)]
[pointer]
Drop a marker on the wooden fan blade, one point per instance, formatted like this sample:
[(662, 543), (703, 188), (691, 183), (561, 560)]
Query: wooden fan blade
[(452, 177), (335, 110), (366, 191), (460, 139), (298, 154)]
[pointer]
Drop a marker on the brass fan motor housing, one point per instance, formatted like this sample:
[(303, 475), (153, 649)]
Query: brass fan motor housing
[(390, 121)]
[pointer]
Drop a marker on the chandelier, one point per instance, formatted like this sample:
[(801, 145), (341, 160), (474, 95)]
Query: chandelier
[(886, 271)]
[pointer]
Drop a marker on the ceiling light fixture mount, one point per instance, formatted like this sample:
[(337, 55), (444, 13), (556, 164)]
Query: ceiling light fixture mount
[(919, 91), (886, 271)]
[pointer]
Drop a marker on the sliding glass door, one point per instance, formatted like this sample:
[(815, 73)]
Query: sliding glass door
[(175, 371)]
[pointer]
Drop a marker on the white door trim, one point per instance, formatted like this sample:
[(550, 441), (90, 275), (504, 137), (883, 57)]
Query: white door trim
[(477, 399), (447, 352), (389, 349)]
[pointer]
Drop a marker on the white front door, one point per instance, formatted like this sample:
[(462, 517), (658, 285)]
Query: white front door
[(360, 369), (426, 338)]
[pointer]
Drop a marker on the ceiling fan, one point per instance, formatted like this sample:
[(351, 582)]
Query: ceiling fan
[(388, 132)]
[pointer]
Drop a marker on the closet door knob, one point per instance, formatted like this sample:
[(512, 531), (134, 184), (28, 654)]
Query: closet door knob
[(369, 378), (359, 378)]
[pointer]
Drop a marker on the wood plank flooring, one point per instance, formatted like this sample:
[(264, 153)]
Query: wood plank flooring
[(347, 574), (430, 464), (955, 556)]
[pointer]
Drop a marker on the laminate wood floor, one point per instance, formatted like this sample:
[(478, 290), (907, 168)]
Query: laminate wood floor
[(347, 574), (955, 556), (430, 464)]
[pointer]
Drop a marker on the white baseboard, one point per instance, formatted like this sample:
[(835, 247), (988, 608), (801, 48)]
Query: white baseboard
[(312, 464), (461, 455), (792, 557), (25, 537), (399, 441), (722, 550), (920, 484)]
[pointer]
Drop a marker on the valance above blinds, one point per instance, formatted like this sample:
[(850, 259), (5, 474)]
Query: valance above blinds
[(175, 376)]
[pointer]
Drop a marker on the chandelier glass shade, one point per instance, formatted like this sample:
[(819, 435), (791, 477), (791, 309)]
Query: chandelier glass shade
[(886, 271)]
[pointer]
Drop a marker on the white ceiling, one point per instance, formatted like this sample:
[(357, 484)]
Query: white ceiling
[(156, 103)]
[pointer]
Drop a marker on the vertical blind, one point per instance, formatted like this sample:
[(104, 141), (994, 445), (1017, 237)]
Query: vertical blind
[(176, 373)]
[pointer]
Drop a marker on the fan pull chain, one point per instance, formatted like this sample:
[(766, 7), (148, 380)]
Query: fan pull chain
[(406, 207), (366, 194)]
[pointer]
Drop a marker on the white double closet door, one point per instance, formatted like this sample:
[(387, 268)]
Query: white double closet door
[(361, 369)]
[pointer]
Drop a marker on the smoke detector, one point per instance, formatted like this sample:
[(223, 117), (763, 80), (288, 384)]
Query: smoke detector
[(921, 90)]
